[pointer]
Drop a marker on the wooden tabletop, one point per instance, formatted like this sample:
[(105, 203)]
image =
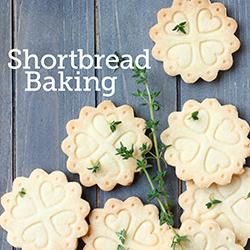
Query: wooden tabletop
[(33, 123)]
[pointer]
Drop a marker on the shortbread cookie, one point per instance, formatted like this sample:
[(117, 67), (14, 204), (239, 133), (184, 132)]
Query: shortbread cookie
[(44, 212), (232, 212), (92, 142), (140, 223), (205, 236), (208, 142), (195, 38)]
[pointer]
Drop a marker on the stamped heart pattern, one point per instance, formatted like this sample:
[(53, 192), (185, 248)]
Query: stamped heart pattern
[(207, 22), (199, 241), (128, 138), (101, 125), (24, 208), (62, 222), (242, 205), (118, 222), (210, 51), (51, 195), (226, 132), (229, 190), (182, 53), (200, 125), (144, 234), (216, 159), (36, 234), (187, 148), (86, 145), (110, 167), (178, 17)]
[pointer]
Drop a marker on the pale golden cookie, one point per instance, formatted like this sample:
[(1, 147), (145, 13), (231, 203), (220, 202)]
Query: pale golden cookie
[(205, 236), (208, 142), (44, 212), (141, 224), (91, 142), (233, 212), (204, 47)]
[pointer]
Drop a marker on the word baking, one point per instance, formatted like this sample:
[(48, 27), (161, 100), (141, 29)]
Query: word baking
[(70, 83), (76, 60)]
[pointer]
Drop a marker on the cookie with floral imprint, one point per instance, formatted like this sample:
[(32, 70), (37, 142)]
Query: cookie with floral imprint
[(126, 225), (195, 39), (202, 236), (207, 142), (93, 140), (228, 205), (44, 212)]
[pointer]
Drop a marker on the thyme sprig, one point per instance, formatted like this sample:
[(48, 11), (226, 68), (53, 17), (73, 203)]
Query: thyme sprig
[(113, 125), (213, 202), (194, 116), (22, 193), (122, 235), (177, 240), (158, 191), (180, 27), (248, 196), (95, 167)]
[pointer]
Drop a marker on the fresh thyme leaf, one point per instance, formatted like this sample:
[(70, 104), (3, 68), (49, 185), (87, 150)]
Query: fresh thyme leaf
[(141, 165), (213, 202), (122, 235), (177, 240), (248, 196), (166, 218), (140, 75), (194, 116), (22, 193), (151, 124), (155, 94), (113, 125), (120, 247), (156, 106), (153, 194), (160, 176), (144, 149), (140, 93), (124, 152), (180, 27), (95, 167), (161, 148)]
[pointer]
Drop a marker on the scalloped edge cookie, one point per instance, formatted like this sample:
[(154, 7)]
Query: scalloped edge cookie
[(216, 238), (19, 234), (221, 213), (199, 133), (166, 40), (106, 179), (114, 213)]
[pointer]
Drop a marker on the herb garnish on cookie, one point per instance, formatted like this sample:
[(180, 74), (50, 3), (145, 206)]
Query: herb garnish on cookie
[(92, 141), (195, 39)]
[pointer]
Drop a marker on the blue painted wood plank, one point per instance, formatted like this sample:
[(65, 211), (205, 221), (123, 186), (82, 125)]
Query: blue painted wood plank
[(50, 27), (124, 27), (5, 108)]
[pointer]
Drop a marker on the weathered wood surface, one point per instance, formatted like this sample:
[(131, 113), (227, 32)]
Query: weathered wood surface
[(5, 108), (97, 26)]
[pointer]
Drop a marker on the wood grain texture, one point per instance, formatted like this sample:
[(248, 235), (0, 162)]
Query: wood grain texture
[(5, 108), (124, 27), (55, 27), (63, 25)]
